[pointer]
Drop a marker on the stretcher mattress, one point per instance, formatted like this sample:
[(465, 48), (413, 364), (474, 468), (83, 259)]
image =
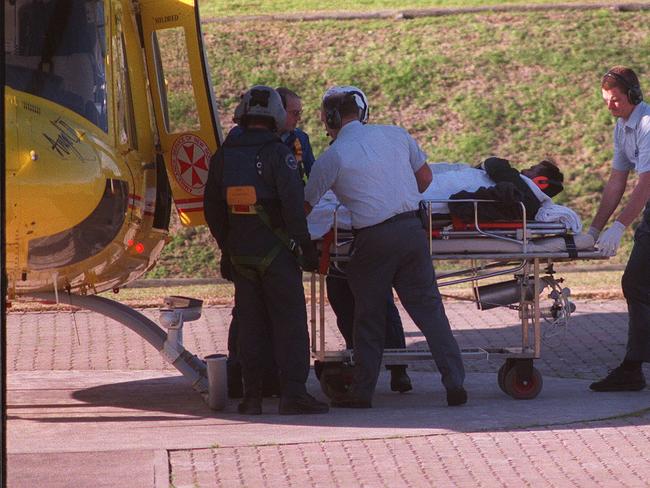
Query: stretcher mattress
[(481, 245), (577, 245)]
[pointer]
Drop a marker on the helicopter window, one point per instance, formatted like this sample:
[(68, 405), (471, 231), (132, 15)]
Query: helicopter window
[(126, 119), (55, 49), (175, 80)]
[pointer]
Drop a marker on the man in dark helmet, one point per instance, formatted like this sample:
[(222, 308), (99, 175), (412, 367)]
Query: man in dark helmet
[(254, 208), (622, 94)]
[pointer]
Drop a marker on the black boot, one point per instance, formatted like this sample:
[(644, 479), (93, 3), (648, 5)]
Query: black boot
[(621, 379), (399, 380)]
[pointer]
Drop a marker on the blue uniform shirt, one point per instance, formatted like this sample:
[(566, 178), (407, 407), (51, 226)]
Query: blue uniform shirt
[(632, 141), (371, 170), (299, 138)]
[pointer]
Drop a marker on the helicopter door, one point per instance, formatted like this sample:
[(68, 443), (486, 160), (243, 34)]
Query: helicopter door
[(184, 106)]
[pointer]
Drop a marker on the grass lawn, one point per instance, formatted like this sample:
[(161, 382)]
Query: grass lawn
[(524, 86), (581, 285), (227, 8)]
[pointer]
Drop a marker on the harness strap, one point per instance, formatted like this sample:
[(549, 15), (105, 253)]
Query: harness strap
[(571, 247), (254, 267)]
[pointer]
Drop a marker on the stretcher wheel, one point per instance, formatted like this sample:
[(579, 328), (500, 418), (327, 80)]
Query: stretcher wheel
[(501, 376), (521, 389), (335, 379)]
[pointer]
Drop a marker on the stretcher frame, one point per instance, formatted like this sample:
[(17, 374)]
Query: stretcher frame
[(517, 377)]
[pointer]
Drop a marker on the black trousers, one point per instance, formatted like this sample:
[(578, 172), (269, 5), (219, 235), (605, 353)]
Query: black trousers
[(636, 289), (270, 369), (342, 302), (273, 305)]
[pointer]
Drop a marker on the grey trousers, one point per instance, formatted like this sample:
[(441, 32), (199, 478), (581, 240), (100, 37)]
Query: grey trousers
[(636, 289), (396, 254)]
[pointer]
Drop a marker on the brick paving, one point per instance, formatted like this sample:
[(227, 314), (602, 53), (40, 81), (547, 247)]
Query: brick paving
[(611, 452), (582, 455)]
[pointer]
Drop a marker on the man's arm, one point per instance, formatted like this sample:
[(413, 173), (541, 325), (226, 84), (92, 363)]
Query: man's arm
[(423, 177), (638, 199), (323, 175), (214, 206), (612, 194), (283, 169)]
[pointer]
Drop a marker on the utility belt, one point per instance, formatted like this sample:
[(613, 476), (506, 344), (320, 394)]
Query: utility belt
[(395, 218)]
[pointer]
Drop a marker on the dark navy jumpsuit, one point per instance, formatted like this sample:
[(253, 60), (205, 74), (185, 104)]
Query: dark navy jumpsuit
[(268, 280)]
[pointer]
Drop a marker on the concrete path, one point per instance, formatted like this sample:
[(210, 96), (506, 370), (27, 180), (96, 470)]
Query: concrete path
[(91, 404)]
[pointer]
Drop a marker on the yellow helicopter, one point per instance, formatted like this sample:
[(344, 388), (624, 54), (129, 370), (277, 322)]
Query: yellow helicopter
[(96, 149)]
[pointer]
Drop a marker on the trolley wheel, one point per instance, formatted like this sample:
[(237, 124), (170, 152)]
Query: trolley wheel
[(503, 371), (501, 375), (335, 378), (521, 389)]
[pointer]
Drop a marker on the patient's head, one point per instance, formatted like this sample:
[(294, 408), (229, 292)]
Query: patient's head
[(547, 176)]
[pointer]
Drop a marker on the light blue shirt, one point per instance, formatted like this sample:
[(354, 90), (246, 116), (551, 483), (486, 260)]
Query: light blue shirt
[(632, 141), (371, 170)]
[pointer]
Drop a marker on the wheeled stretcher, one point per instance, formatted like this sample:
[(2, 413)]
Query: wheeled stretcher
[(507, 264)]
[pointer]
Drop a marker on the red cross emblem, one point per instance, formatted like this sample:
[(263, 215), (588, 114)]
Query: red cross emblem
[(190, 162)]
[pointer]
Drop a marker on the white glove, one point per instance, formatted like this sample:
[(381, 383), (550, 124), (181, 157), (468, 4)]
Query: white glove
[(593, 232), (610, 239)]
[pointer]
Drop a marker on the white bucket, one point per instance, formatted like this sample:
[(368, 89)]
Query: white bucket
[(217, 382)]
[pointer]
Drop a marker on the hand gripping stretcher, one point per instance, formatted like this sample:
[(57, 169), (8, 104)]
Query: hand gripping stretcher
[(523, 251)]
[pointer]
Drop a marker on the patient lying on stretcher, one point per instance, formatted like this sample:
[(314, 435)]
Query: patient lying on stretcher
[(494, 179)]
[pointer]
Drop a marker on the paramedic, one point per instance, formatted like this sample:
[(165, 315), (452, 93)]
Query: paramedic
[(340, 296), (378, 173), (622, 94), (298, 142), (296, 139), (254, 208)]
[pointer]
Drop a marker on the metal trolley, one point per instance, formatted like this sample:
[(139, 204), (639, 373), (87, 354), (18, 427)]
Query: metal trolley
[(491, 251)]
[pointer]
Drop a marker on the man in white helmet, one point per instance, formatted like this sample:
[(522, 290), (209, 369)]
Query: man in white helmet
[(254, 208), (378, 172), (339, 293)]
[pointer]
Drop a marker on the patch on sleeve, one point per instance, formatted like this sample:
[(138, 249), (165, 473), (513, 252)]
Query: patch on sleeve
[(291, 161)]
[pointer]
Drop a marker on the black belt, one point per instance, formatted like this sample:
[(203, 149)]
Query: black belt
[(394, 218)]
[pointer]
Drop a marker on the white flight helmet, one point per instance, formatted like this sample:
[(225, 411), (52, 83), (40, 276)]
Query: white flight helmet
[(262, 101), (359, 97)]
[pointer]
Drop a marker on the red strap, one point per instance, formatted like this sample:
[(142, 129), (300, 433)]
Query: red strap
[(458, 224), (324, 263)]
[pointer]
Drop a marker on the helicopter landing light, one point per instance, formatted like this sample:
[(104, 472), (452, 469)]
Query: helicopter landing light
[(139, 248), (33, 155)]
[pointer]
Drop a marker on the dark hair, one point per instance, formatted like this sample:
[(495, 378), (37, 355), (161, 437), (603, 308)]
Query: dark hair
[(344, 102), (620, 77), (285, 93), (547, 169)]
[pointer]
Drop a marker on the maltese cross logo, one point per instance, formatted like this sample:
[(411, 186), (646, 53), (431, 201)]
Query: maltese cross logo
[(190, 162)]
